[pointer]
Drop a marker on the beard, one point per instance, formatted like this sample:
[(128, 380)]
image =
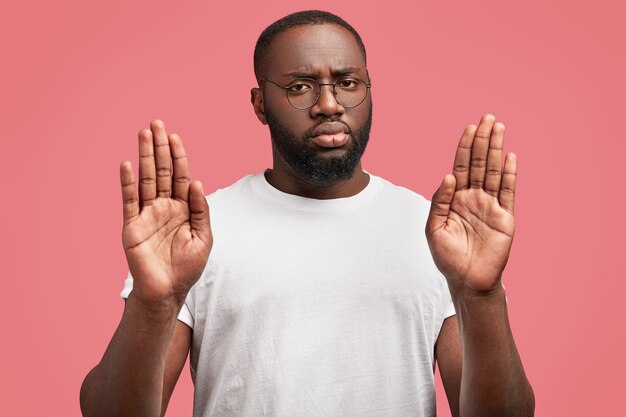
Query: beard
[(312, 167)]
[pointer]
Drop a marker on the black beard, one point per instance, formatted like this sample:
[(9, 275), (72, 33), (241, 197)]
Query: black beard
[(317, 170)]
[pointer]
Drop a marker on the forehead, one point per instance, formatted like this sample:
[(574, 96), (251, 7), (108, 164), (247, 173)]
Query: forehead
[(315, 49)]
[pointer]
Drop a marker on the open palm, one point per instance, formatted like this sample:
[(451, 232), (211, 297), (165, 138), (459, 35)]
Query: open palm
[(167, 234), (471, 225)]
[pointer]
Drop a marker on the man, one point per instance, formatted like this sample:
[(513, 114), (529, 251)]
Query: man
[(311, 290)]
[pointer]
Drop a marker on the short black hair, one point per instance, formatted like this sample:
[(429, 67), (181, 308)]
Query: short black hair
[(306, 17)]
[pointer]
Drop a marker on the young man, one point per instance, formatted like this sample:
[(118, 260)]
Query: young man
[(312, 289)]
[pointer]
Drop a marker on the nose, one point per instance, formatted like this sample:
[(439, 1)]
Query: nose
[(327, 104)]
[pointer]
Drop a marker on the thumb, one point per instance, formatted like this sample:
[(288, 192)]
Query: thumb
[(199, 212), (440, 205)]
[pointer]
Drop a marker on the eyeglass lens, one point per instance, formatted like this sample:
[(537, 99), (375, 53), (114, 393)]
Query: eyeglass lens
[(304, 93)]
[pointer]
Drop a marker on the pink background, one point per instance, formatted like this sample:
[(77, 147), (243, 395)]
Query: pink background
[(79, 79)]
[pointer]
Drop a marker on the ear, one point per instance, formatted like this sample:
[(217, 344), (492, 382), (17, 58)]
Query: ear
[(256, 98)]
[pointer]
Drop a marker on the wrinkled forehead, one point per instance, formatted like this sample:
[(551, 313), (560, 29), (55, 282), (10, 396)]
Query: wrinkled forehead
[(319, 50)]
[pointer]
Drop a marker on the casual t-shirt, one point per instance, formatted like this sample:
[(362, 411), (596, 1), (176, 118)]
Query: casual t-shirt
[(316, 307)]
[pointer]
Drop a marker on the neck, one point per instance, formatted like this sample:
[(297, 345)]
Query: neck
[(289, 183)]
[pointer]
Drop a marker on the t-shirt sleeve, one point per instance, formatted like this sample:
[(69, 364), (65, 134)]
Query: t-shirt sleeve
[(450, 311), (446, 306), (185, 313)]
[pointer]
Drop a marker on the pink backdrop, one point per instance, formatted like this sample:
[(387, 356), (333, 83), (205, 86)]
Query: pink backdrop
[(79, 79)]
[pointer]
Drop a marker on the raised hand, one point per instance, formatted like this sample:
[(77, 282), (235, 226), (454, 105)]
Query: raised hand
[(471, 225), (167, 233)]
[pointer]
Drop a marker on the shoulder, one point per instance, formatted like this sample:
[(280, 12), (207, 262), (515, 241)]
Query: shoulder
[(239, 189), (405, 197), (230, 205)]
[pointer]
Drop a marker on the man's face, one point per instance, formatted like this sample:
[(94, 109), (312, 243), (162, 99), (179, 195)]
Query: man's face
[(324, 144)]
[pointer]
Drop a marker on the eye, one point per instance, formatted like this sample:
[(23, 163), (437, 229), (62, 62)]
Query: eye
[(348, 84), (299, 87)]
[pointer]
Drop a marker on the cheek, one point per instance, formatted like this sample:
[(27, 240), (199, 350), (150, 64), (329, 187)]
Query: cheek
[(358, 116), (297, 122)]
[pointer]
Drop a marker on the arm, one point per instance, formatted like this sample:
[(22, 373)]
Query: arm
[(175, 361), (167, 240), (137, 375), (470, 232), (450, 361), (496, 360)]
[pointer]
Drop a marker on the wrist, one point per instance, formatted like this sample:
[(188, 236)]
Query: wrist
[(156, 295), (159, 309), (466, 298), (483, 286)]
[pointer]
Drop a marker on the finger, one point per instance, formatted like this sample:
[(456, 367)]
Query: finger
[(480, 147), (180, 186), (462, 158), (494, 160), (440, 205), (162, 158), (147, 169), (507, 189), (199, 213), (129, 192)]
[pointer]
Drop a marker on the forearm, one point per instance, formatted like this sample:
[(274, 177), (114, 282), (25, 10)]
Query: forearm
[(128, 381), (493, 380)]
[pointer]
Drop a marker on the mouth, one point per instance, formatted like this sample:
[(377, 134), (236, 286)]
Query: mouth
[(330, 135)]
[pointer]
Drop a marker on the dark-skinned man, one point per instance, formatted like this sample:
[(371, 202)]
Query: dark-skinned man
[(315, 288)]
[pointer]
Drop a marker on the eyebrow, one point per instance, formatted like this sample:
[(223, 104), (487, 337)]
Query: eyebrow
[(341, 72)]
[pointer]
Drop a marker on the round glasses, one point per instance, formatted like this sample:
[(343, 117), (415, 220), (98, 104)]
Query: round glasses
[(303, 93)]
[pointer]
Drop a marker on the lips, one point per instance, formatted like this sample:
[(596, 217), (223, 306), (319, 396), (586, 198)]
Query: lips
[(330, 135)]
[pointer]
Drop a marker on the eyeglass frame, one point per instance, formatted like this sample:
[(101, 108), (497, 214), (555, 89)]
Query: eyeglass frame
[(286, 88)]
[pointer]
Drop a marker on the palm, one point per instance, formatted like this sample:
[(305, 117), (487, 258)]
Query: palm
[(471, 225), (168, 239), (478, 229), (160, 244)]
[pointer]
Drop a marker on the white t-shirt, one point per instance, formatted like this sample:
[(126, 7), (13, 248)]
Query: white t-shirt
[(316, 308)]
